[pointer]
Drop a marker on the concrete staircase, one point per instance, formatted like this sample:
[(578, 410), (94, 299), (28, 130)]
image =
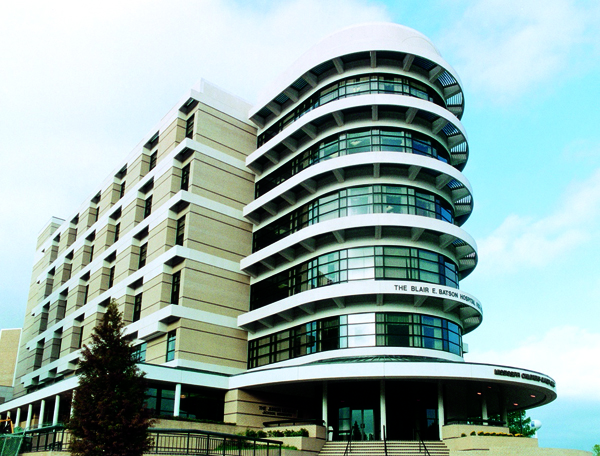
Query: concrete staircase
[(394, 448)]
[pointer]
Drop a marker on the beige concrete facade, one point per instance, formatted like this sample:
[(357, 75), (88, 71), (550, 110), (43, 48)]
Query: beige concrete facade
[(164, 231), (9, 346)]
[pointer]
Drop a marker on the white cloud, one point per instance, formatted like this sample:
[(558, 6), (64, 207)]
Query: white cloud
[(522, 242), (83, 82), (505, 48), (568, 354)]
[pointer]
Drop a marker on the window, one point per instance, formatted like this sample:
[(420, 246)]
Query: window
[(391, 329), (139, 353), (137, 307), (91, 254), (179, 234), (122, 190), (189, 127), (171, 337), (175, 287), (111, 277), (185, 177), (79, 336), (86, 292), (142, 257), (153, 160), (148, 206), (117, 232)]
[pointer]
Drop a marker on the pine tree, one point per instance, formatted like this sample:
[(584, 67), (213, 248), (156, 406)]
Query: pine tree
[(109, 416)]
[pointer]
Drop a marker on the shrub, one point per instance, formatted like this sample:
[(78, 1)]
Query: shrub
[(473, 433), (463, 435)]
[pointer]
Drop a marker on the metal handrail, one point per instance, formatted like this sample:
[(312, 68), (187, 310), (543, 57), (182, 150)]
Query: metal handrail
[(165, 441), (421, 442), (348, 449), (385, 441)]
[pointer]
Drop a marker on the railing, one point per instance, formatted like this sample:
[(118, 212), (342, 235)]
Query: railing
[(348, 449), (10, 444), (165, 441), (384, 441), (51, 438), (184, 441), (421, 442)]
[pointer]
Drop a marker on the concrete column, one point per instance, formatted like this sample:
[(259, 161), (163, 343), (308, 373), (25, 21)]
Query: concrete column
[(484, 409), (18, 418), (29, 413), (42, 411), (441, 421), (382, 409), (56, 410), (72, 401), (177, 404), (503, 411), (324, 411)]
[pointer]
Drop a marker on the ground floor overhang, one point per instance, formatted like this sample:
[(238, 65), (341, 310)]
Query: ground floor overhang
[(521, 388)]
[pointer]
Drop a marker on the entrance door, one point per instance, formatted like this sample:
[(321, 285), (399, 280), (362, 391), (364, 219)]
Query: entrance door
[(363, 424), (356, 423), (354, 410)]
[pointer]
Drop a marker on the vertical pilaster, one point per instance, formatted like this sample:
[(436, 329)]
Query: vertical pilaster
[(18, 417), (29, 413), (42, 412), (325, 411), (177, 402), (441, 419), (382, 409), (484, 409), (56, 410)]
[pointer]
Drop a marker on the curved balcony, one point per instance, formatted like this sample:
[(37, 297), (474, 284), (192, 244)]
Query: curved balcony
[(350, 142), (365, 199), (434, 121), (386, 44), (354, 86), (396, 166), (356, 264), (365, 295), (382, 329)]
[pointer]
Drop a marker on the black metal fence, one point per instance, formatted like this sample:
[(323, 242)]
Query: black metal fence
[(165, 441), (179, 441), (51, 438)]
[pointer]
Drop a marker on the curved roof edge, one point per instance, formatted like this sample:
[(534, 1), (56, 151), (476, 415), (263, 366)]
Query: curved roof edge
[(373, 36)]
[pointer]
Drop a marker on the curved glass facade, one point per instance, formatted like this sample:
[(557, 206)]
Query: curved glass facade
[(361, 263), (353, 142), (349, 87), (388, 329), (368, 199)]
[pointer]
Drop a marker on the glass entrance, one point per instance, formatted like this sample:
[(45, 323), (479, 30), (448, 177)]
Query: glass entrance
[(356, 423), (363, 425), (356, 409)]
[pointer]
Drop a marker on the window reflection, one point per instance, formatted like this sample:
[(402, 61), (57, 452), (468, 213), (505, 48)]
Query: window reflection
[(351, 87), (369, 199), (392, 329), (363, 263), (352, 142)]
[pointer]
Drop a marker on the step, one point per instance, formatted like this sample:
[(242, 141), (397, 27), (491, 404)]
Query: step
[(377, 448)]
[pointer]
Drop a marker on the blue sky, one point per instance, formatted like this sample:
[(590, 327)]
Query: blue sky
[(82, 83)]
